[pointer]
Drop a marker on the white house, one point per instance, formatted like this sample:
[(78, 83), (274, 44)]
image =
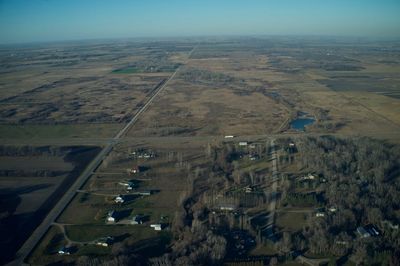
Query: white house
[(64, 251), (332, 209), (227, 207), (119, 199), (157, 227), (243, 143), (248, 190), (111, 217), (128, 184)]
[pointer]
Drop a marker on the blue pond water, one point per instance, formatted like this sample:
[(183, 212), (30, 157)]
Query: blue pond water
[(300, 123)]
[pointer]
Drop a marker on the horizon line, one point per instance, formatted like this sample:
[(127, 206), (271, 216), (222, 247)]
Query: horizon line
[(139, 38)]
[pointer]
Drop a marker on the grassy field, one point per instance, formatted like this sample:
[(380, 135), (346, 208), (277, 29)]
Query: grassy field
[(58, 131), (84, 233), (84, 209), (291, 221), (127, 70), (50, 244)]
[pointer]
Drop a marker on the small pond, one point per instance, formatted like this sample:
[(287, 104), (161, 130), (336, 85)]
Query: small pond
[(299, 124)]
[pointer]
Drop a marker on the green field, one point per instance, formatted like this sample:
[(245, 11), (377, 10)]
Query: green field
[(127, 70)]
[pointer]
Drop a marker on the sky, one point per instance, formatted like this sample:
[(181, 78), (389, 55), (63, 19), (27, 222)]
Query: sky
[(24, 21)]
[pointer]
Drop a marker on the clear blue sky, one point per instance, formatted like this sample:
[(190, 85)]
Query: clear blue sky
[(48, 20)]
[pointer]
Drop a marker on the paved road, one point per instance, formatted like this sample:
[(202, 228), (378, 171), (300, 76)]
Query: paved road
[(51, 217)]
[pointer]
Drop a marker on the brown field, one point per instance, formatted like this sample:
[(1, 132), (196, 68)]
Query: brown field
[(250, 88), (31, 180)]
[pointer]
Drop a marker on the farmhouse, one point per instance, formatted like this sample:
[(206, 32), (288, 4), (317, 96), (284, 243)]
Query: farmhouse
[(227, 207), (128, 184), (111, 217), (119, 199), (134, 170), (157, 227), (332, 209), (243, 143), (308, 177), (64, 251)]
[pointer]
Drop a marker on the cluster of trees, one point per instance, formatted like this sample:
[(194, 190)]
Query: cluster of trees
[(199, 246), (363, 184)]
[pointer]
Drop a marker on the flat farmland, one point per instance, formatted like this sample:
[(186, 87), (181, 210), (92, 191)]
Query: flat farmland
[(180, 169), (80, 90), (32, 179), (216, 96), (203, 111)]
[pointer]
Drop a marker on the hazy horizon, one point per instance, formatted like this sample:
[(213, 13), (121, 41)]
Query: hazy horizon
[(47, 21)]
